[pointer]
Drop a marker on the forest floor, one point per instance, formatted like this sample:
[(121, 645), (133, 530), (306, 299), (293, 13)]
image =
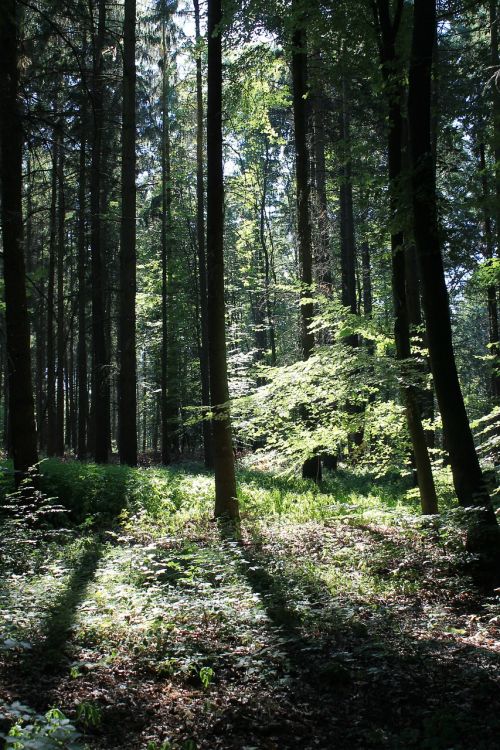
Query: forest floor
[(341, 620)]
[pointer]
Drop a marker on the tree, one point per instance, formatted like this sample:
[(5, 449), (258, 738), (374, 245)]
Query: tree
[(21, 404), (100, 361), (226, 502), (467, 475), (127, 385), (311, 468), (200, 235), (392, 70)]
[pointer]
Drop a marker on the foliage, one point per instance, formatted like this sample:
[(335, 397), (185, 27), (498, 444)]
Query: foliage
[(33, 731)]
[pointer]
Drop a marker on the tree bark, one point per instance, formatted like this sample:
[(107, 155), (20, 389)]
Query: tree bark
[(226, 502), (127, 383), (21, 404)]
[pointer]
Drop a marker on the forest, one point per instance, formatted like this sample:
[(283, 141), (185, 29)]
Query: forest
[(249, 374)]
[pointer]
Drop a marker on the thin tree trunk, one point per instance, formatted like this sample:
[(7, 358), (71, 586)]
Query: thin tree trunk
[(51, 348), (166, 238), (491, 290), (202, 260), (467, 476), (347, 237), (226, 502), (367, 279), (127, 384), (59, 438), (100, 364), (311, 468), (21, 405), (323, 262), (82, 396)]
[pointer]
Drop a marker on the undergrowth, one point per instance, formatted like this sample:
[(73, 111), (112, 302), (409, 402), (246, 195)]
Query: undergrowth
[(140, 626)]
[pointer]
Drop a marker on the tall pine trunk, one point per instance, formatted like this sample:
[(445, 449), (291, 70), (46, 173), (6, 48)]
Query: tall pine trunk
[(82, 392), (21, 404), (51, 345), (61, 215), (100, 363), (226, 502), (467, 475), (202, 259), (127, 383), (311, 468)]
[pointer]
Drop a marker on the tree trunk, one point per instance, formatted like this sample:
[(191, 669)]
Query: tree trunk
[(21, 405), (202, 260), (467, 476), (311, 468), (51, 349), (127, 384), (61, 216), (347, 238), (100, 363), (82, 397), (226, 502), (491, 291), (323, 259), (391, 69), (167, 420)]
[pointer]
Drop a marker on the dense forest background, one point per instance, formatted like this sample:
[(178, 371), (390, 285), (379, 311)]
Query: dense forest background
[(77, 79), (258, 241)]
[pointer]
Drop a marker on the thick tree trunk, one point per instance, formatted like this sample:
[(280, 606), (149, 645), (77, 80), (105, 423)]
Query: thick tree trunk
[(21, 405), (226, 502), (202, 260), (100, 363), (127, 383), (467, 476)]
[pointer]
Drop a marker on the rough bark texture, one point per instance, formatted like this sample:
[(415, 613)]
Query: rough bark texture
[(127, 383), (467, 476), (226, 502), (21, 404)]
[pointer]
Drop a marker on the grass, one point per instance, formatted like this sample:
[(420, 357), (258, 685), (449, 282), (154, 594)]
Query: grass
[(150, 629)]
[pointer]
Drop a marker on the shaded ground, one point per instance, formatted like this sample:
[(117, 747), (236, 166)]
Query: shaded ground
[(349, 631)]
